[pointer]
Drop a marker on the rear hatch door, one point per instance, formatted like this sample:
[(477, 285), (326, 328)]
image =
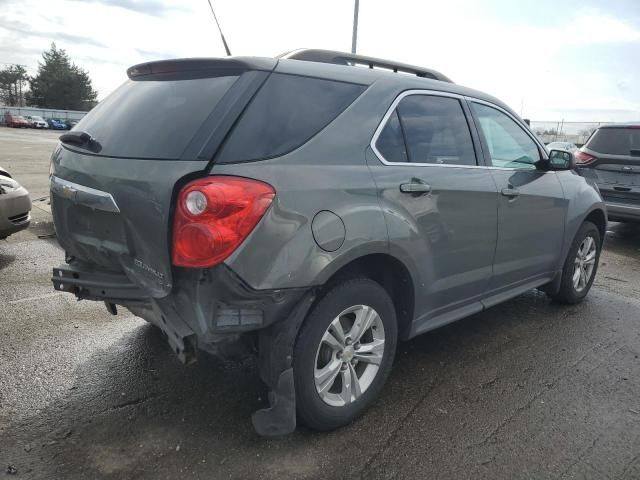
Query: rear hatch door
[(616, 169), (114, 177)]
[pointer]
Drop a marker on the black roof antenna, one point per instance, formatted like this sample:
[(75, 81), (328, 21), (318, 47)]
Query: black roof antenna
[(226, 47)]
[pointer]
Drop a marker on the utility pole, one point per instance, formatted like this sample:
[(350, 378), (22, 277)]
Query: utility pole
[(354, 39)]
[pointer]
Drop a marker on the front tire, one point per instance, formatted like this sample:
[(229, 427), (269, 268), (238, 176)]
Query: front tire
[(580, 266), (344, 353)]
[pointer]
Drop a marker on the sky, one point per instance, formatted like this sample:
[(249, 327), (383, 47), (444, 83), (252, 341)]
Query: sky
[(577, 60)]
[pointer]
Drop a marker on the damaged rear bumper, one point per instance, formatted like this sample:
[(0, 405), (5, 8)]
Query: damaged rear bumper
[(212, 310), (207, 309)]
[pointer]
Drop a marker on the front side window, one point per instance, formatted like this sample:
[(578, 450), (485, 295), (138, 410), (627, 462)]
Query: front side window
[(427, 129), (509, 145)]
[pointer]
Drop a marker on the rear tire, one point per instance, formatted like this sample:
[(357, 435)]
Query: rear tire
[(580, 266), (337, 377)]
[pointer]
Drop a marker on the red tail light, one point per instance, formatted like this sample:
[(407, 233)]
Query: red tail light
[(213, 217), (583, 158)]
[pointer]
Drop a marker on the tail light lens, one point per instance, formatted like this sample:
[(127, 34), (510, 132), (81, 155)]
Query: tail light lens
[(213, 217), (583, 158)]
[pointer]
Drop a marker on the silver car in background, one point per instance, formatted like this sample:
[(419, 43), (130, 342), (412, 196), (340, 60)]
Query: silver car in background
[(36, 121), (566, 146), (15, 205)]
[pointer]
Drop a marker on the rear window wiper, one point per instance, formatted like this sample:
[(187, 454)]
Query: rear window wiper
[(81, 139)]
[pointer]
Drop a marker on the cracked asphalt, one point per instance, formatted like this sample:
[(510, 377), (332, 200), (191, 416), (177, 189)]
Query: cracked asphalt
[(527, 389)]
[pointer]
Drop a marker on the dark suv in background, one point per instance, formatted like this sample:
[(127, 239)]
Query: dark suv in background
[(611, 158), (314, 212)]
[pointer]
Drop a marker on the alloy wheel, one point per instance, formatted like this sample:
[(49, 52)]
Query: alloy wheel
[(584, 263), (349, 355)]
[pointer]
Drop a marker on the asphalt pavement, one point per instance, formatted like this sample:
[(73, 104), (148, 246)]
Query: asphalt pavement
[(527, 389)]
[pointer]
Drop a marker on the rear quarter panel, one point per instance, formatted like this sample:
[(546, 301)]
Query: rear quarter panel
[(327, 173)]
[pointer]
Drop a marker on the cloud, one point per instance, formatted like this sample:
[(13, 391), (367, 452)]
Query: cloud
[(25, 30), (594, 27), (155, 54), (154, 8), (550, 58), (16, 50)]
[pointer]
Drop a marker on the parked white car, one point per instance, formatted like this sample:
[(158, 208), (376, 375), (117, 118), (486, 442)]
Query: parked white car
[(36, 122), (15, 205)]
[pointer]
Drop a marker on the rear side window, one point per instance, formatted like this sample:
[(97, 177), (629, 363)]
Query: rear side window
[(286, 112), (616, 141), (435, 131), (390, 143), (153, 118)]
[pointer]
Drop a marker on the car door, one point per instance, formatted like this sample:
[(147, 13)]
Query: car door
[(532, 207), (440, 206)]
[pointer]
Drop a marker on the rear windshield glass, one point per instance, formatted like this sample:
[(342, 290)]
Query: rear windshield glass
[(287, 111), (153, 118), (616, 141)]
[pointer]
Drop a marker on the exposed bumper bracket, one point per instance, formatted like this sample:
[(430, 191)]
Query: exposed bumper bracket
[(94, 285)]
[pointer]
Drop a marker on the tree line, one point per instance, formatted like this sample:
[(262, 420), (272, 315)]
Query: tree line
[(59, 83)]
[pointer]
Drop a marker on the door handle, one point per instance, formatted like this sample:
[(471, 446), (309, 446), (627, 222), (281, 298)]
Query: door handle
[(415, 187), (510, 192)]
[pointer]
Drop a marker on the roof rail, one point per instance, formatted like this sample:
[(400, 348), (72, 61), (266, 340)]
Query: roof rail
[(342, 58)]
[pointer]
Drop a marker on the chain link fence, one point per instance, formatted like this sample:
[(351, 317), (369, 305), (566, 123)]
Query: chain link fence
[(561, 131), (40, 112)]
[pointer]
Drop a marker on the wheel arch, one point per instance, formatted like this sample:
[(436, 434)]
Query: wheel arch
[(599, 219), (391, 273)]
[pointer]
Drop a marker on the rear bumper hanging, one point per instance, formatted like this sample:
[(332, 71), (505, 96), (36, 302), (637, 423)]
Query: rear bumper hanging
[(209, 310)]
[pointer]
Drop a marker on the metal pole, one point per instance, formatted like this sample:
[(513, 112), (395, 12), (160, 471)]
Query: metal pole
[(354, 39)]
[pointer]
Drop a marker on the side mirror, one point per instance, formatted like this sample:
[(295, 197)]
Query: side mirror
[(561, 160)]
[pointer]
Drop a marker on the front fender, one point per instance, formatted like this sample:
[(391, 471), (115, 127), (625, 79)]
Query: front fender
[(583, 199)]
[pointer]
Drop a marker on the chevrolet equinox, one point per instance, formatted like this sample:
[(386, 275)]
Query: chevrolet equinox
[(315, 209)]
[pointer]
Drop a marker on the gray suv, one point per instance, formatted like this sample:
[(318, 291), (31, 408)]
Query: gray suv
[(611, 159), (313, 212)]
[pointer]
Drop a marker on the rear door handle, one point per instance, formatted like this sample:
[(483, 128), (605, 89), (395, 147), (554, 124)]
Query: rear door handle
[(510, 192), (415, 187)]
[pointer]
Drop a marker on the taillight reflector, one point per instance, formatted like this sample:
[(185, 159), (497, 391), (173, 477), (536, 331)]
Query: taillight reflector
[(583, 158), (213, 217)]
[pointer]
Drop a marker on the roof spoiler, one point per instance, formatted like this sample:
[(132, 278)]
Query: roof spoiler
[(237, 64), (342, 58)]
